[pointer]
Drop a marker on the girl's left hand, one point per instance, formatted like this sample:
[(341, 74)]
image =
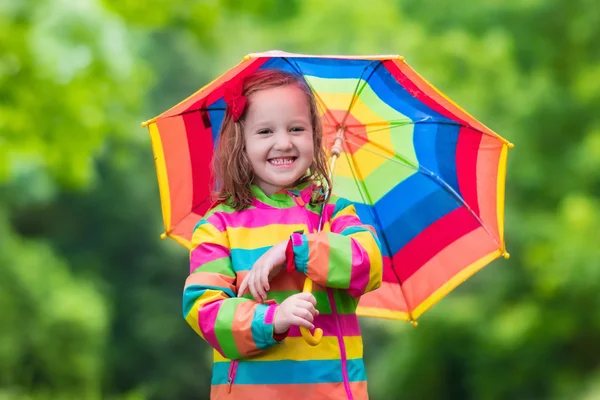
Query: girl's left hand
[(265, 268)]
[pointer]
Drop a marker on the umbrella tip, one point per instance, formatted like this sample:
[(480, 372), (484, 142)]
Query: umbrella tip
[(414, 323), (506, 255), (246, 57), (163, 235), (510, 145)]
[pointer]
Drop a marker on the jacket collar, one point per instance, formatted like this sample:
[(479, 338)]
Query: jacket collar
[(285, 197)]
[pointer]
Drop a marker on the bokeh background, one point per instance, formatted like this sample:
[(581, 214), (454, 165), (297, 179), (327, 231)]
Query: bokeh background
[(90, 297)]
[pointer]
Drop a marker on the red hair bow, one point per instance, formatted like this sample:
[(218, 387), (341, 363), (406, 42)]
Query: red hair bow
[(234, 98)]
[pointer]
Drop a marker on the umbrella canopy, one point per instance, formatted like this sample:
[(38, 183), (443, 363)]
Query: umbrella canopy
[(427, 175)]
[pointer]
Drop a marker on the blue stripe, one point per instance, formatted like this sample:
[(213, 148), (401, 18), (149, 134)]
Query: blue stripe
[(289, 372), (424, 140), (445, 152), (193, 292), (366, 215), (403, 197), (321, 67), (402, 228), (262, 333), (216, 114), (244, 259), (391, 92), (301, 256)]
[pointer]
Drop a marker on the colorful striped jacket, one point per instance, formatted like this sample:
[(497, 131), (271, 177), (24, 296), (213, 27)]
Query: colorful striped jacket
[(344, 261)]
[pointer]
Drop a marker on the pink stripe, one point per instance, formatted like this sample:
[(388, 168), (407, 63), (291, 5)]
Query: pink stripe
[(348, 323), (388, 271), (207, 317), (297, 239), (206, 252), (343, 222), (361, 270), (256, 217), (270, 313)]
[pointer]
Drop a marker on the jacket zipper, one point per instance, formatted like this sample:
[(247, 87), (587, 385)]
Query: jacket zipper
[(331, 297), (231, 376)]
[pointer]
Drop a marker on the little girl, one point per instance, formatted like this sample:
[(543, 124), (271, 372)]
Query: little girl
[(252, 252)]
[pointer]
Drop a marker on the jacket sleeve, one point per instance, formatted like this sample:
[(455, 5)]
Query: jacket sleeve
[(348, 257), (235, 327)]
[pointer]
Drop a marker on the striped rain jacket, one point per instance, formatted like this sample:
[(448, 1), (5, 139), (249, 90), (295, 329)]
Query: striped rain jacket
[(344, 261)]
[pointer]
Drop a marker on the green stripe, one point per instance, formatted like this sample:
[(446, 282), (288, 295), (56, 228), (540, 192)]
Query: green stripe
[(345, 303), (378, 183), (223, 327), (219, 266), (340, 256)]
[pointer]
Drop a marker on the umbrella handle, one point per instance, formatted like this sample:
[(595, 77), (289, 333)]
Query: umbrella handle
[(306, 334)]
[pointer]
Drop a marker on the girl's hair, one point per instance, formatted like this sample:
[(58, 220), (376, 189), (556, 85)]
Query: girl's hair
[(231, 166)]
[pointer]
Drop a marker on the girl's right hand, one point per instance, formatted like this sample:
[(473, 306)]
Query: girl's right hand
[(298, 309)]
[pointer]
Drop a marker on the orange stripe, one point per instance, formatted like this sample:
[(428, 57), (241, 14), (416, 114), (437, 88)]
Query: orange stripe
[(445, 265), (318, 257), (333, 391), (185, 228), (487, 183), (209, 279), (177, 159), (241, 326), (388, 297)]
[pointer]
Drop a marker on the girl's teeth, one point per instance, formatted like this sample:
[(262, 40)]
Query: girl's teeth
[(282, 161)]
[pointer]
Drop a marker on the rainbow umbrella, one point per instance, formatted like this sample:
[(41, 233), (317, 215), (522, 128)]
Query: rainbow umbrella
[(426, 174)]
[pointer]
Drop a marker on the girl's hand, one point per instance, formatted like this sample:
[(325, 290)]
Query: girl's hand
[(298, 309), (265, 268)]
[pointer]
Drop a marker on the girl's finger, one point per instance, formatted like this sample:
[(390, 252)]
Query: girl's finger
[(304, 314), (265, 278), (295, 320), (258, 285), (243, 286), (307, 305), (252, 288), (308, 297)]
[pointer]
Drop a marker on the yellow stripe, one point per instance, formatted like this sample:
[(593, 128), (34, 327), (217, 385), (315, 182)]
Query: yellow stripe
[(254, 238), (161, 173), (207, 233), (456, 280), (382, 313), (500, 191), (295, 348)]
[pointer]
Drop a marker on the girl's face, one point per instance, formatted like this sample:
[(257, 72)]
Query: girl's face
[(279, 137)]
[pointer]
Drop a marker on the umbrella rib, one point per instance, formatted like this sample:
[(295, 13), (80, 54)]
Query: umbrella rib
[(440, 182), (357, 92)]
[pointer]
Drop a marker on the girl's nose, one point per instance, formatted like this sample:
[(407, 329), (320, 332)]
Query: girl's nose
[(283, 141)]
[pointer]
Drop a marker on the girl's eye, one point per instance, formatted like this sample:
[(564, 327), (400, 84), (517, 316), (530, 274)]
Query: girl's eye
[(264, 131), (297, 129)]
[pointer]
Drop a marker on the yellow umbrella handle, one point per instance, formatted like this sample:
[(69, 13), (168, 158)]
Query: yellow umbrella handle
[(308, 337)]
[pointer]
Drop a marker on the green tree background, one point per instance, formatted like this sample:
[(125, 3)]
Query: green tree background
[(90, 296)]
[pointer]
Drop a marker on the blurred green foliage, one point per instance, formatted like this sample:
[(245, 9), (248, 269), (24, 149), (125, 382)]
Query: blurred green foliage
[(89, 295)]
